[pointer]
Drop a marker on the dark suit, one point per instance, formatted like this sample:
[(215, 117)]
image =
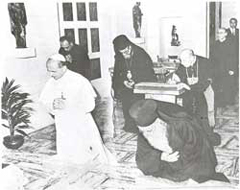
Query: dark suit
[(230, 35), (142, 71), (186, 135)]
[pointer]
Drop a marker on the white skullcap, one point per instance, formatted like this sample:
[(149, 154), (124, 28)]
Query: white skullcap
[(186, 53), (58, 57)]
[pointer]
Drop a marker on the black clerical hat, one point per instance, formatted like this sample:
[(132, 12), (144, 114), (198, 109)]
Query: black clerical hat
[(121, 42), (144, 112)]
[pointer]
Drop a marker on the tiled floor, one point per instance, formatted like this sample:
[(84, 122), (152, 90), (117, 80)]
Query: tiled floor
[(228, 152), (34, 158)]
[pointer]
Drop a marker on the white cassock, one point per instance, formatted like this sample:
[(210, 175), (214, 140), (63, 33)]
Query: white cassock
[(78, 138)]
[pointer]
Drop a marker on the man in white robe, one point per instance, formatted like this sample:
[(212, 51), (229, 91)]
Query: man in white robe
[(70, 98)]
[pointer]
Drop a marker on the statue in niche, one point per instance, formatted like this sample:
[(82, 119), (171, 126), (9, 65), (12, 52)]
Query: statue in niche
[(18, 20), (137, 19), (175, 39)]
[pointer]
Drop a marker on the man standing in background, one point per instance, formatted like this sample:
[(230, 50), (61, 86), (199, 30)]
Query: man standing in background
[(233, 36), (233, 31), (225, 70)]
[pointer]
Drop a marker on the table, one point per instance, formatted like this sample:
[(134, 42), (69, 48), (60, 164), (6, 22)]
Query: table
[(159, 91)]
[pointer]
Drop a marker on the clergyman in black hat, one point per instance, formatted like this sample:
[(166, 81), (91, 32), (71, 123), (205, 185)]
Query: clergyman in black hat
[(132, 65), (172, 144)]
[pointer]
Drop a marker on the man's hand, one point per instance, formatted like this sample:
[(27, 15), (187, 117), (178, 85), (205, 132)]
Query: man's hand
[(210, 80), (68, 58), (231, 72), (129, 84), (183, 85), (58, 104), (170, 157)]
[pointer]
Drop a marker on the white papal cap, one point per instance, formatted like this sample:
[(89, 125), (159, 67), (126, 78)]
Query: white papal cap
[(58, 57)]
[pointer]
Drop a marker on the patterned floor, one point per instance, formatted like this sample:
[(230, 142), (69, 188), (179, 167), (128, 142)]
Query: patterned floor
[(34, 158), (228, 152)]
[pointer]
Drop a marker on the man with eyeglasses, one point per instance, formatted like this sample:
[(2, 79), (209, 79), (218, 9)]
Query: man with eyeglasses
[(195, 72), (76, 56), (225, 70), (132, 65)]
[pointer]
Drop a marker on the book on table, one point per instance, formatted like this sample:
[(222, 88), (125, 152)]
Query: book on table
[(158, 88)]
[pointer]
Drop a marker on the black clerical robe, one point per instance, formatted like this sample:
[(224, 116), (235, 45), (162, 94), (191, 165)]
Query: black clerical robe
[(80, 60), (225, 59), (194, 100), (197, 157), (141, 67)]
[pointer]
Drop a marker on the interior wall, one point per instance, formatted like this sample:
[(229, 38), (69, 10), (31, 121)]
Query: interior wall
[(43, 35), (229, 10), (192, 18), (103, 84), (122, 13), (30, 73), (115, 17)]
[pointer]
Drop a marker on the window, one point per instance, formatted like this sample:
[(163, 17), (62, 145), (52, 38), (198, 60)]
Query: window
[(79, 20)]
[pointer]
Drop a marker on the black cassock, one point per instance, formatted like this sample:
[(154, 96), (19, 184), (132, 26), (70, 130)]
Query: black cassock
[(194, 100), (141, 67), (80, 60), (224, 58), (197, 157)]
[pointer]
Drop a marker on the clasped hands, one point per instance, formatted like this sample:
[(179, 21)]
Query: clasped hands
[(58, 104), (129, 83), (68, 58), (231, 72)]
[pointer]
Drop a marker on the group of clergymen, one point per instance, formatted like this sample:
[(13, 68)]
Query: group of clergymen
[(174, 142)]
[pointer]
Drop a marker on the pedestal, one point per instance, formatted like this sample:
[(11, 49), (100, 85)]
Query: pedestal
[(24, 53)]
